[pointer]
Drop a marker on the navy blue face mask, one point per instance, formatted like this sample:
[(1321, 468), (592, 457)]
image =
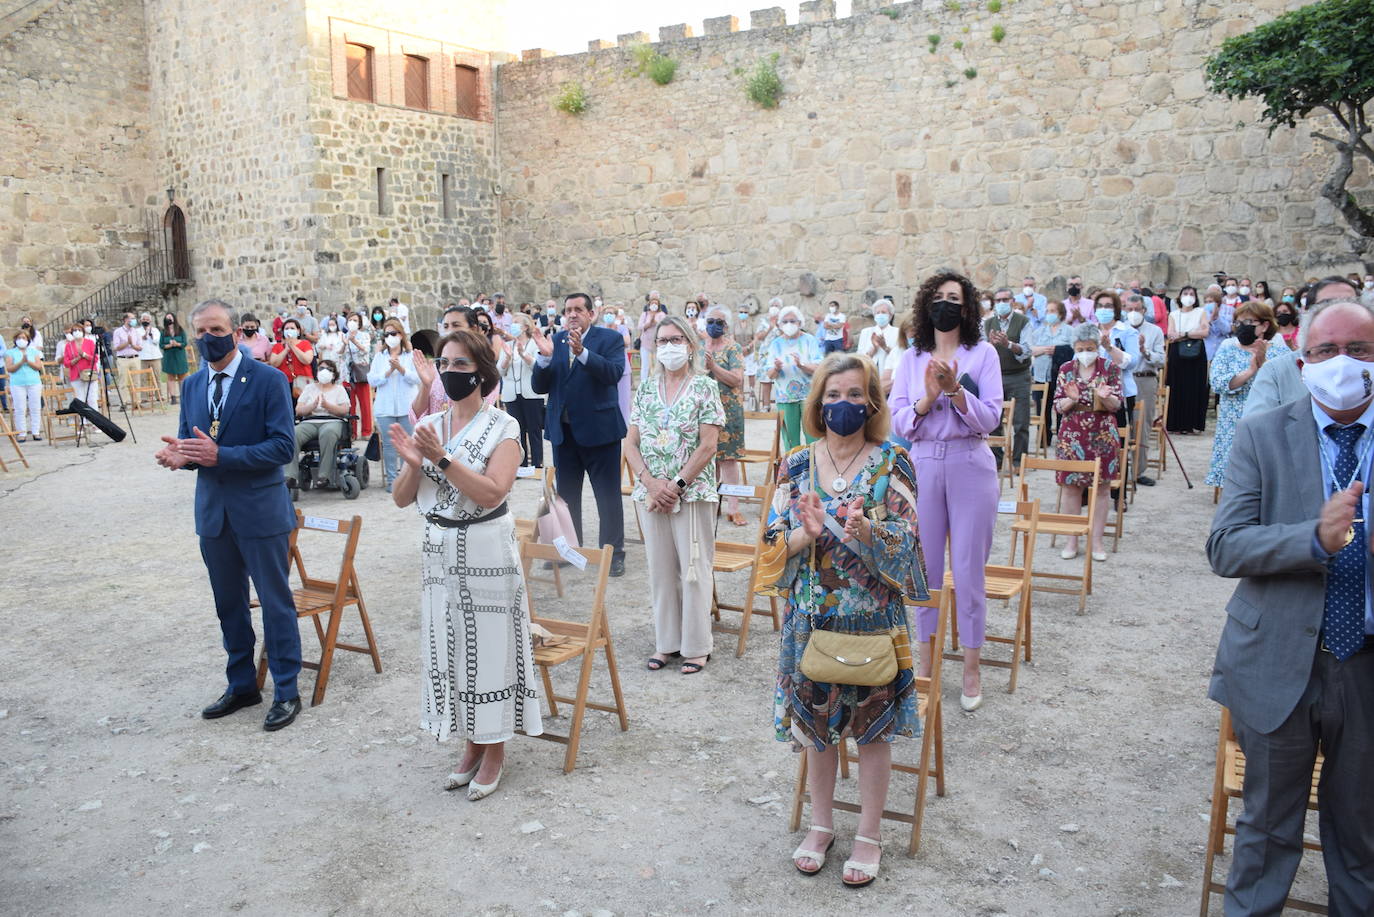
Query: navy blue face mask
[(844, 417), (715, 328), (215, 347)]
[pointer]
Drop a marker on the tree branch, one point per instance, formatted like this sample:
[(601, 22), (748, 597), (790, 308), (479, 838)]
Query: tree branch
[(1360, 220)]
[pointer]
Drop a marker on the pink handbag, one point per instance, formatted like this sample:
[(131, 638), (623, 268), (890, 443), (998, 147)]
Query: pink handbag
[(553, 519)]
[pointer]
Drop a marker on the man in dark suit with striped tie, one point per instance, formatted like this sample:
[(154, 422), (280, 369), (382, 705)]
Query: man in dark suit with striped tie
[(579, 369), (1295, 664), (237, 433)]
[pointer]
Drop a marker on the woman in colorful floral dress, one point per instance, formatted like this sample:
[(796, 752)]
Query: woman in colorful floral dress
[(842, 533), (724, 361), (671, 446), (1234, 367), (1087, 397)]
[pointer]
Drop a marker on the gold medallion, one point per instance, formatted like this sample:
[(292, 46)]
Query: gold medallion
[(214, 434), (1350, 534)]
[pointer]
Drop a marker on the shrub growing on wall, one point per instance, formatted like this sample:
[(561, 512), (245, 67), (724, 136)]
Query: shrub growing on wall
[(572, 98), (658, 67), (764, 86)]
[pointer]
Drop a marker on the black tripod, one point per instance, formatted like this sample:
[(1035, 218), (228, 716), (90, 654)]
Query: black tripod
[(105, 363)]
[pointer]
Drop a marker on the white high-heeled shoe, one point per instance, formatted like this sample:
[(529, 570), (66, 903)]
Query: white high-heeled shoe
[(1069, 553), (868, 869), (970, 704), (459, 779), (478, 791), (1099, 556)]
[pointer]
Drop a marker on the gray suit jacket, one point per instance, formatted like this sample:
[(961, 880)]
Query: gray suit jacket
[(1262, 534), (1278, 382)]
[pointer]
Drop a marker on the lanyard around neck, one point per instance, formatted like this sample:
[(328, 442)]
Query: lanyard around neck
[(1361, 459)]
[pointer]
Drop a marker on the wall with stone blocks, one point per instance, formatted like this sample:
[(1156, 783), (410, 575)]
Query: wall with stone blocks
[(1086, 142), (76, 179)]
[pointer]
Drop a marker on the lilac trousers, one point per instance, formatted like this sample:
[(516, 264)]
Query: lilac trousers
[(956, 501)]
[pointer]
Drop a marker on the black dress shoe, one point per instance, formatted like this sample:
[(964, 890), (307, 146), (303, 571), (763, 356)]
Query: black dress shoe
[(282, 714), (617, 566), (1143, 481), (229, 702)]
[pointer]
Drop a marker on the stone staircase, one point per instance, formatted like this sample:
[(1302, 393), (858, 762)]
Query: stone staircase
[(15, 14)]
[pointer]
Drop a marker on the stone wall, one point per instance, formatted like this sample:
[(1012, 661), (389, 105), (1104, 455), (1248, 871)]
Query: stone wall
[(1085, 142), (76, 184)]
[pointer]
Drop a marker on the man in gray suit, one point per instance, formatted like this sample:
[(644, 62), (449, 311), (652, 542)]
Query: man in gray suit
[(1295, 664), (1279, 380)]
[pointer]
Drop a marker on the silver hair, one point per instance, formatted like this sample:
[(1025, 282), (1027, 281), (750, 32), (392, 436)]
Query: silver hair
[(653, 294), (791, 310), (1006, 290), (1088, 331), (775, 301), (718, 309), (689, 332), (882, 302), (206, 304), (1135, 298), (1310, 316)]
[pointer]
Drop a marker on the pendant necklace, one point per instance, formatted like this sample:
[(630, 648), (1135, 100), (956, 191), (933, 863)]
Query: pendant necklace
[(840, 485)]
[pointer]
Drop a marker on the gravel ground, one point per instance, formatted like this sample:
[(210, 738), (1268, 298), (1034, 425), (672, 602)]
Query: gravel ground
[(1085, 792)]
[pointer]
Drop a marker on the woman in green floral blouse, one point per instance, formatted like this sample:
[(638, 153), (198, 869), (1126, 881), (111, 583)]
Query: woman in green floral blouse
[(725, 364)]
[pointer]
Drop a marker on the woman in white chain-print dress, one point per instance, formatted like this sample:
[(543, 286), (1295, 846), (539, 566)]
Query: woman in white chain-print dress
[(474, 615)]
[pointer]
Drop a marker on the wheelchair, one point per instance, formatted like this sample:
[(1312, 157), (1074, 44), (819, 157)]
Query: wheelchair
[(351, 466)]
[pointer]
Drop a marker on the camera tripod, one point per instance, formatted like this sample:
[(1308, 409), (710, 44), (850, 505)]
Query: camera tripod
[(106, 363)]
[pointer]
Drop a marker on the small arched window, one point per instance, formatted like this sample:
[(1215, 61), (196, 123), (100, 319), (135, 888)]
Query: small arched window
[(360, 70)]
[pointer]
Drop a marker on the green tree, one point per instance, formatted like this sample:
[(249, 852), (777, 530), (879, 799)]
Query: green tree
[(1319, 58)]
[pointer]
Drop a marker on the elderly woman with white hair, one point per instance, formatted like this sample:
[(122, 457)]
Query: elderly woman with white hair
[(1087, 396), (724, 362), (675, 425), (788, 363), (654, 313), (881, 341)]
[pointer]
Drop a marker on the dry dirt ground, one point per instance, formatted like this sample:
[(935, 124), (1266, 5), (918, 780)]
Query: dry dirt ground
[(1085, 792)]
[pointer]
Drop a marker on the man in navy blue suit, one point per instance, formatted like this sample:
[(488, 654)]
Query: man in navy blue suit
[(579, 368), (237, 432)]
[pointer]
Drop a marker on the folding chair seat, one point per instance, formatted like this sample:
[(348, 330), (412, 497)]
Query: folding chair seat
[(1229, 783), (930, 764), (735, 556), (318, 597), (1006, 583), (582, 642), (1071, 525), (7, 432)]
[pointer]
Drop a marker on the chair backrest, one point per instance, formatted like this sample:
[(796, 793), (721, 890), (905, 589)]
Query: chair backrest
[(531, 551), (1124, 461), (345, 585), (939, 599), (1031, 463), (776, 418), (1028, 510), (761, 494)]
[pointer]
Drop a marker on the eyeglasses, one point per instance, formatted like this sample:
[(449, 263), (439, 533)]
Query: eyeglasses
[(1002, 300), (462, 364), (715, 323), (675, 339), (1356, 350)]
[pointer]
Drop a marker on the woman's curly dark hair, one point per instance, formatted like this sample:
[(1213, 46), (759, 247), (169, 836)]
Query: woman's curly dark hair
[(919, 327)]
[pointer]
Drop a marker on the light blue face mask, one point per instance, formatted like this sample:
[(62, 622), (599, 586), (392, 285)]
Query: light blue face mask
[(1003, 309), (1052, 319), (1105, 315)]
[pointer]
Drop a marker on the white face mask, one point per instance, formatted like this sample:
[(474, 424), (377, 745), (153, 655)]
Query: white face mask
[(790, 328), (69, 335), (1368, 284), (21, 343), (1231, 289), (882, 319), (1028, 291), (78, 334), (325, 376), (772, 310), (1188, 300), (691, 313), (1085, 357), (291, 333), (673, 356), (1340, 383), (353, 324), (1135, 318), (1244, 291), (393, 340), (834, 309)]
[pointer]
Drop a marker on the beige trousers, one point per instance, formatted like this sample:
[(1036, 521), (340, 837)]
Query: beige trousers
[(682, 607), (1147, 391)]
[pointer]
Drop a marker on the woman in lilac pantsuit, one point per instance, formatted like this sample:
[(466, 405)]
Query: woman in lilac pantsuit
[(956, 476)]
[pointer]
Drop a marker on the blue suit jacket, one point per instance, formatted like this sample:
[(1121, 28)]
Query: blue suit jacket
[(256, 438), (588, 392)]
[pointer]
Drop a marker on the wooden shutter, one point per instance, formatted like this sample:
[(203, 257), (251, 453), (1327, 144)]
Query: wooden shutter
[(360, 73), (417, 82), (468, 91)]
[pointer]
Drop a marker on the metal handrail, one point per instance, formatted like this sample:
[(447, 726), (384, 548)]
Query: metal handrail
[(109, 302)]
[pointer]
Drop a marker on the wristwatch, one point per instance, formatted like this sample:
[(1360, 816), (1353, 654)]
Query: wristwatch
[(682, 485), (443, 463)]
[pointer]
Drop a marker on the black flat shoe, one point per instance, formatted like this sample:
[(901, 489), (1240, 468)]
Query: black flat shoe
[(229, 702), (1144, 481), (691, 668), (654, 663), (282, 714), (617, 566)]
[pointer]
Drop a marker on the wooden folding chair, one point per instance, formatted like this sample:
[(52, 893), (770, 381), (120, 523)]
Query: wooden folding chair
[(766, 457), (1004, 441), (317, 597), (627, 487), (1074, 525), (1227, 784), (734, 556), (6, 431), (584, 640), (143, 382), (527, 530), (1159, 462), (64, 427), (1006, 583), (1040, 419), (931, 763), (1116, 523)]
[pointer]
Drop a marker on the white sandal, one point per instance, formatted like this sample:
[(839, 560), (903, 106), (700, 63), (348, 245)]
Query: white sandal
[(457, 780), (868, 869), (818, 855)]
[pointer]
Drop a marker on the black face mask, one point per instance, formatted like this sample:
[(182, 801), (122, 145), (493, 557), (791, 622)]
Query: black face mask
[(1075, 290), (1245, 335), (459, 385), (946, 315), (250, 331), (1285, 318), (500, 308)]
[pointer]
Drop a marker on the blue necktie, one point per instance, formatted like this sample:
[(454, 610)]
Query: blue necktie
[(1343, 617)]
